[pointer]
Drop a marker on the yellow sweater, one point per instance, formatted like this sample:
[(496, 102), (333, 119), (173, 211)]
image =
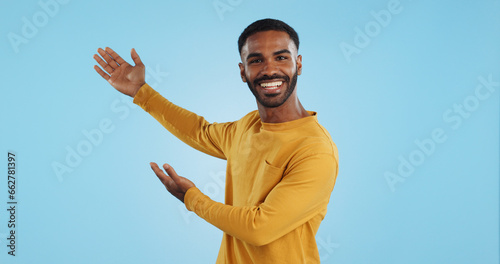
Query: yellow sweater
[(278, 181)]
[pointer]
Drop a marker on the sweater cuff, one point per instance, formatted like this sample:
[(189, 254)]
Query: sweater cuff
[(192, 197), (144, 93)]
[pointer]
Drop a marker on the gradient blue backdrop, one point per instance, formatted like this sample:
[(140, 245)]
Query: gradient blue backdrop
[(399, 84)]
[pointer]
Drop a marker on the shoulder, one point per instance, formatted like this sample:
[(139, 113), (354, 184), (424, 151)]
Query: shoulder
[(250, 117), (315, 139), (247, 121)]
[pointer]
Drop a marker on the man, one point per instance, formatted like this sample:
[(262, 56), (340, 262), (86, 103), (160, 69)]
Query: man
[(281, 163)]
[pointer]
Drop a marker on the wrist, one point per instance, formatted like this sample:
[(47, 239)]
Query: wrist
[(137, 90)]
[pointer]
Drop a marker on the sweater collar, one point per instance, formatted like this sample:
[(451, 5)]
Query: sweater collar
[(290, 124)]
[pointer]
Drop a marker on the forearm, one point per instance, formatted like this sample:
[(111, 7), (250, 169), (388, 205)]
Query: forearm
[(185, 125), (244, 223), (301, 195)]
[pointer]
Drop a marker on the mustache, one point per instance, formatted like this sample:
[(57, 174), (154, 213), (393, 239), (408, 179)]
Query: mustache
[(274, 76)]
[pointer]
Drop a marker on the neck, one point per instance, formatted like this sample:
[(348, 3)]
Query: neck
[(291, 110)]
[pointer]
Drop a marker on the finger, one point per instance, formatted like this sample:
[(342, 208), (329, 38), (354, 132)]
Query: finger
[(101, 72), (161, 175), (165, 179), (108, 58), (135, 57), (115, 55), (171, 172), (103, 64)]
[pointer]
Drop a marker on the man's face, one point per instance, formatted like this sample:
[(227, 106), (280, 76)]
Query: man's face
[(270, 67)]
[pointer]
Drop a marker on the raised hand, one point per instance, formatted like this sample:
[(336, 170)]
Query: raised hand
[(122, 76), (174, 183)]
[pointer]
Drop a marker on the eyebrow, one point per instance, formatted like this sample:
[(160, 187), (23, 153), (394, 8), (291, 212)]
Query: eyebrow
[(256, 54)]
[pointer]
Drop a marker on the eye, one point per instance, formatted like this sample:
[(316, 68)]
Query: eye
[(255, 61), (281, 58)]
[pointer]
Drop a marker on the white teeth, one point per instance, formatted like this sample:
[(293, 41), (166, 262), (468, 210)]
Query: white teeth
[(271, 84)]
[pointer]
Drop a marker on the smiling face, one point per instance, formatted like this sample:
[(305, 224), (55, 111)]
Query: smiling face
[(270, 67)]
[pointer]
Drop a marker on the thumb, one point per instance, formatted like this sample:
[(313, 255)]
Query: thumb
[(135, 57)]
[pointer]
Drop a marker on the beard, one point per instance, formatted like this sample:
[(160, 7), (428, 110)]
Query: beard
[(274, 100)]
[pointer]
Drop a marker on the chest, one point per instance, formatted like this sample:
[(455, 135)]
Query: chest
[(255, 167)]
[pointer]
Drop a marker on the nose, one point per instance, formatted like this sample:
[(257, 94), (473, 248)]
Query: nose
[(269, 68)]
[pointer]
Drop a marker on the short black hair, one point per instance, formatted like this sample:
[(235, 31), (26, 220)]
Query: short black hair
[(265, 25)]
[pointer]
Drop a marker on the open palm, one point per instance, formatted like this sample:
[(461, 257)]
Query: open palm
[(121, 75), (175, 184)]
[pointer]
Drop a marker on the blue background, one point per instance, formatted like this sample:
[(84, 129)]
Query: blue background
[(399, 86)]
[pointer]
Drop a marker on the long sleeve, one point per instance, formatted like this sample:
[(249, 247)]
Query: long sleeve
[(279, 179), (194, 130), (302, 193)]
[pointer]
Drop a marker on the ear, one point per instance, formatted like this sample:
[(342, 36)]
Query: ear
[(299, 64), (242, 72)]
